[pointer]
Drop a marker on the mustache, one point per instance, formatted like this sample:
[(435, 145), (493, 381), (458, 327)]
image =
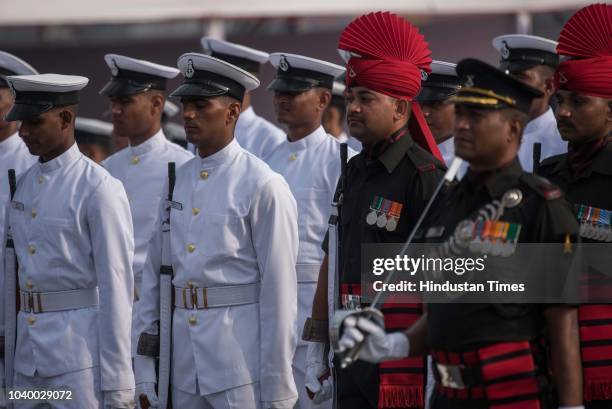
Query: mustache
[(565, 123)]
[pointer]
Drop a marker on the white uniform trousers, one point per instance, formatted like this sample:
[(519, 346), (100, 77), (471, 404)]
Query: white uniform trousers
[(241, 397), (299, 375), (84, 385)]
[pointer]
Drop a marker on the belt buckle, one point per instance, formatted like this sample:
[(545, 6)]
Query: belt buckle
[(450, 376), (351, 302), (30, 302)]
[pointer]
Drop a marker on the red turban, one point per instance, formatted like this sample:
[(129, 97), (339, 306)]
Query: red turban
[(589, 76), (389, 55), (587, 39)]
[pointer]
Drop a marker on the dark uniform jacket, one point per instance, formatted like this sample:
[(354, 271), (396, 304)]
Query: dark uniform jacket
[(406, 175), (544, 216)]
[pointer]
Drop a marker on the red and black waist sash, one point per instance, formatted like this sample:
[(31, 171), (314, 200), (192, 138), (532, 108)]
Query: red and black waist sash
[(504, 374), (595, 322), (402, 382)]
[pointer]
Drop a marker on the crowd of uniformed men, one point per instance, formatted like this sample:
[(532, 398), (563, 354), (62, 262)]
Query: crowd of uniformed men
[(94, 231)]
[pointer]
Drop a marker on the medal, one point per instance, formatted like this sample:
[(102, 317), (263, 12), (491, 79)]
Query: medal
[(371, 218), (385, 209), (486, 236), (514, 230), (394, 214), (375, 208), (498, 238), (476, 243), (391, 224), (381, 221)]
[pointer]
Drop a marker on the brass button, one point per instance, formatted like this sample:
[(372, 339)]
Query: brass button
[(195, 211), (31, 249), (203, 175), (190, 284), (193, 320), (29, 284), (34, 213), (191, 248), (40, 180), (31, 320), (135, 160), (293, 156)]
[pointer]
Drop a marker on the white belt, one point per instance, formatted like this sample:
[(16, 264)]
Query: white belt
[(213, 297), (307, 273), (36, 302)]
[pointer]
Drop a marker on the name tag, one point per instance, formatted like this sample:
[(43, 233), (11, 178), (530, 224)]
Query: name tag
[(17, 205), (174, 205)]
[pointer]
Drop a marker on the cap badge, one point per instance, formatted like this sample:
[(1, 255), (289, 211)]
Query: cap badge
[(424, 75), (114, 69), (283, 64), (562, 77), (469, 82), (189, 71), (505, 51), (351, 72)]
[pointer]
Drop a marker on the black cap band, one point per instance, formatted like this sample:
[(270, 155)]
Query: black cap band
[(240, 62), (524, 58), (128, 82), (54, 99), (208, 84), (299, 80), (31, 104)]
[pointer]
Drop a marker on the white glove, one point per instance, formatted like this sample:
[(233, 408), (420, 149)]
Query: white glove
[(123, 399), (378, 345), (146, 378), (316, 370)]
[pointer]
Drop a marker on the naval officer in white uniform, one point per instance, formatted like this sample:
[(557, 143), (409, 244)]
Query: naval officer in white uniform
[(72, 229), (136, 93), (309, 160), (234, 232), (253, 133), (533, 60), (13, 155)]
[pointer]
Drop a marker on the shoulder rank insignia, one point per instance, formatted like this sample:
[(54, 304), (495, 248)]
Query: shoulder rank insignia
[(384, 213), (595, 223)]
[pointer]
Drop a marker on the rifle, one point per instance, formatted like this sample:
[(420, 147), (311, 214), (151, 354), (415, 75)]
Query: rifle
[(11, 300), (537, 153), (149, 344)]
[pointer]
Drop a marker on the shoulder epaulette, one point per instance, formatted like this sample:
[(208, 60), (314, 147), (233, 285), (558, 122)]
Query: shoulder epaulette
[(542, 186), (423, 162)]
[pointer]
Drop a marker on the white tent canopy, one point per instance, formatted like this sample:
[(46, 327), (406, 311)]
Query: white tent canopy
[(56, 12)]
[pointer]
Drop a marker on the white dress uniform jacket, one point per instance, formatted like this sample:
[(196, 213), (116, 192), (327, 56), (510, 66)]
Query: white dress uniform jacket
[(72, 229), (143, 170), (238, 225), (14, 154), (542, 129), (257, 135), (311, 167)]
